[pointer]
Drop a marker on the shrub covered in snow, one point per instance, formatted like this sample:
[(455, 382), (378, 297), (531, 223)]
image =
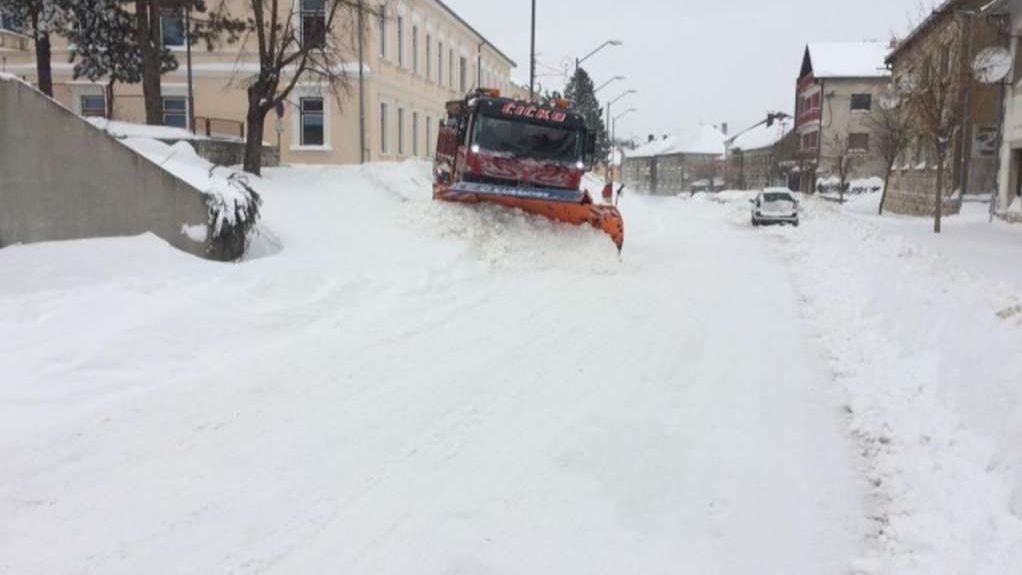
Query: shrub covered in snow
[(233, 203)]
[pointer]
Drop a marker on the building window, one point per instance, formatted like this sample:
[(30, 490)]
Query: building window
[(429, 55), (9, 22), (313, 23), (862, 102), (93, 105), (450, 67), (415, 134), (172, 29), (858, 142), (312, 130), (383, 127), (415, 49), (401, 131), (175, 111), (463, 75), (440, 63), (401, 41), (383, 32)]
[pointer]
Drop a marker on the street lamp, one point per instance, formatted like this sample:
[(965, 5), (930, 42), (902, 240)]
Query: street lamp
[(578, 61), (613, 131), (611, 103), (605, 84)]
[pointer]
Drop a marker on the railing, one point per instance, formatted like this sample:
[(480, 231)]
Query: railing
[(219, 127), (811, 115), (804, 82)]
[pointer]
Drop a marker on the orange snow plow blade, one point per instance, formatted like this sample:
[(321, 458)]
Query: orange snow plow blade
[(560, 205)]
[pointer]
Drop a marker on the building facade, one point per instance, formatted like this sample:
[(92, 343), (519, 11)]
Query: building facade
[(418, 54), (761, 157), (837, 89), (1009, 193), (941, 45), (674, 164)]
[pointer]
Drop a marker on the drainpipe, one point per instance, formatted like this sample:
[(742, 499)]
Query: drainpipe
[(819, 139), (996, 193), (361, 84), (479, 64)]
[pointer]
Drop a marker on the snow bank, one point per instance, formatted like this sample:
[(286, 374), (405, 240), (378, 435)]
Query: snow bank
[(233, 204), (926, 352), (131, 130)]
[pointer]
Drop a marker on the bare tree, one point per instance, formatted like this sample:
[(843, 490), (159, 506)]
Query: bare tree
[(298, 47), (842, 159), (935, 96), (892, 128)]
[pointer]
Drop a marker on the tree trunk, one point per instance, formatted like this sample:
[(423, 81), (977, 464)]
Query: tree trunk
[(147, 20), (938, 208), (256, 119), (887, 182), (44, 72), (110, 99)]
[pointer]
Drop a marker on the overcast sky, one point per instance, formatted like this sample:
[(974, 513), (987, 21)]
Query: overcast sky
[(692, 61)]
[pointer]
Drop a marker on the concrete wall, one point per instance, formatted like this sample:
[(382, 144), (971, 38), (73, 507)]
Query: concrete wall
[(229, 152), (61, 178)]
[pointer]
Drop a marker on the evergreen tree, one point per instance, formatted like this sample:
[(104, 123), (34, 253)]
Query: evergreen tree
[(39, 19), (157, 59), (581, 91), (103, 44)]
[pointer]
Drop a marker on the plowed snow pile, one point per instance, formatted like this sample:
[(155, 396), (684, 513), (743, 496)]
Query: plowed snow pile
[(389, 385)]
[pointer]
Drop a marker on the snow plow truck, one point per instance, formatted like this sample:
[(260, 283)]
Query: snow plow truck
[(520, 155)]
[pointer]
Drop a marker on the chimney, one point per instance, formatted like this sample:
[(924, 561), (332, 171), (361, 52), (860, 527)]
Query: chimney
[(723, 128)]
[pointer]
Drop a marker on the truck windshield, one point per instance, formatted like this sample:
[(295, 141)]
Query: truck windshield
[(526, 140)]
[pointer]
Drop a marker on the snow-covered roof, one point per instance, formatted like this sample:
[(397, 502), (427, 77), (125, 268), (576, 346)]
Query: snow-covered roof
[(705, 140), (761, 136), (849, 59)]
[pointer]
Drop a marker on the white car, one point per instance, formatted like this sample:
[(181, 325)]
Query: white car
[(774, 206)]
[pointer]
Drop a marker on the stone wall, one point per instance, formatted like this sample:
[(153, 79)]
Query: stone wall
[(62, 178), (224, 152)]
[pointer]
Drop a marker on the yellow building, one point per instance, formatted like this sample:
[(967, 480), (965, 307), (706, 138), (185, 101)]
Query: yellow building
[(418, 54)]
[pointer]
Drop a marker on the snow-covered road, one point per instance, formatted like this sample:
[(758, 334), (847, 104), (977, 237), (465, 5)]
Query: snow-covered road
[(418, 388)]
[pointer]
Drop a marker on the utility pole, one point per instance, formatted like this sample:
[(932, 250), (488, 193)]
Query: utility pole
[(361, 84), (532, 57), (188, 59)]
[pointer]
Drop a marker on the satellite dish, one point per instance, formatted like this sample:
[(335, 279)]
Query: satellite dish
[(992, 65)]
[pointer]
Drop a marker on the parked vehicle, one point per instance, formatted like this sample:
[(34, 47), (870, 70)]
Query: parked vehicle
[(774, 206)]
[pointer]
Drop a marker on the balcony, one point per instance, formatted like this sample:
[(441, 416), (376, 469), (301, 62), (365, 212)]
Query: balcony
[(808, 116), (805, 82)]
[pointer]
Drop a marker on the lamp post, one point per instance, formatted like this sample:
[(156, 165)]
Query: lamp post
[(578, 61), (532, 57), (613, 130), (608, 82), (611, 103), (613, 136)]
